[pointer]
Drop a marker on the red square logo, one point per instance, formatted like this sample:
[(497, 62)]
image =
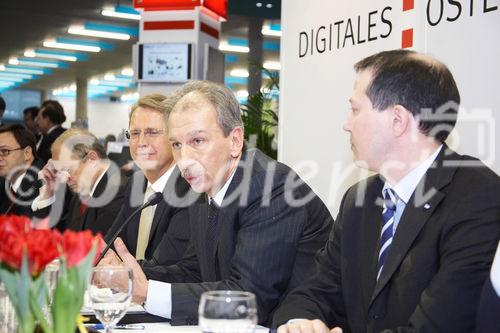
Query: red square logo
[(407, 38), (408, 5)]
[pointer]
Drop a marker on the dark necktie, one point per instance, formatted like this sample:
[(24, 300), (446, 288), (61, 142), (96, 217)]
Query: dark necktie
[(390, 199), (213, 212)]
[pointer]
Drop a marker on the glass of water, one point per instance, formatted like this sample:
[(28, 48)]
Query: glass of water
[(227, 311), (110, 294)]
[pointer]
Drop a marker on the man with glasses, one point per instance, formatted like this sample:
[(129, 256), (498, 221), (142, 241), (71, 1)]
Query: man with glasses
[(159, 233), (95, 195), (18, 170)]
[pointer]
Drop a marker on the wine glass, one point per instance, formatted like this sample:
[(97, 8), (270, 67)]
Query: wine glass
[(227, 311), (110, 294)]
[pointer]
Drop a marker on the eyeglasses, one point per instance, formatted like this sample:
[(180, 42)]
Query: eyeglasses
[(5, 152), (151, 133)]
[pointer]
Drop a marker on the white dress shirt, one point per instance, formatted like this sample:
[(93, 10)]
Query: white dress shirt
[(159, 297)]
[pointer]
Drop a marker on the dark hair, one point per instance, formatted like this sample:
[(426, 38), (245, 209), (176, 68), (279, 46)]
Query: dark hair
[(422, 85), (2, 104), (23, 136), (54, 111), (32, 110)]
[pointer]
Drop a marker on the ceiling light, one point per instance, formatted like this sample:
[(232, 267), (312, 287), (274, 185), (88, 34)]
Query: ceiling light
[(6, 84), (94, 82), (36, 63), (15, 75), (72, 87), (69, 46), (80, 30), (13, 61), (233, 48), (239, 73), (121, 12), (109, 77), (272, 65), (128, 71), (259, 4), (267, 31), (33, 54), (269, 5), (23, 70), (11, 79)]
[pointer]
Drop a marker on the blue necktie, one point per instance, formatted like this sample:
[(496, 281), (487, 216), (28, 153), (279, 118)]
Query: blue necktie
[(387, 232)]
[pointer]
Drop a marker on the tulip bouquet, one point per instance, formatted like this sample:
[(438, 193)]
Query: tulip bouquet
[(24, 254)]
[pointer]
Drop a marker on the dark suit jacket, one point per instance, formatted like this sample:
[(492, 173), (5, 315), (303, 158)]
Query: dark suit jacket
[(438, 261), (265, 245), (102, 208), (43, 151), (24, 195), (488, 313), (169, 233)]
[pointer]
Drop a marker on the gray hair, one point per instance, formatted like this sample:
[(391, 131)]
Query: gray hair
[(79, 141), (157, 102), (222, 99)]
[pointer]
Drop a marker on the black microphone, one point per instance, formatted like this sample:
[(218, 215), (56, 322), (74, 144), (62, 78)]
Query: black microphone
[(153, 199), (38, 184)]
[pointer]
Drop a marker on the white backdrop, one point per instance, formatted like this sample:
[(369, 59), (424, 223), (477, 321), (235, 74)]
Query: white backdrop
[(317, 78)]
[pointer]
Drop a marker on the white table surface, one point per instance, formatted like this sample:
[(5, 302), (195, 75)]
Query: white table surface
[(166, 327)]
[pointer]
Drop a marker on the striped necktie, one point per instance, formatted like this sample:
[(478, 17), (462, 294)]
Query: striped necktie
[(389, 208)]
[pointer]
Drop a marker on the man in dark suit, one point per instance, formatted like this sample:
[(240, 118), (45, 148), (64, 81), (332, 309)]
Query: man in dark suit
[(412, 246), (488, 318), (2, 110), (18, 170), (159, 234), (95, 193), (49, 121), (29, 115), (257, 228)]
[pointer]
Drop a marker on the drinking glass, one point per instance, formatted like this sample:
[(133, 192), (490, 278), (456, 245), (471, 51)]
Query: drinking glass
[(110, 294), (227, 311)]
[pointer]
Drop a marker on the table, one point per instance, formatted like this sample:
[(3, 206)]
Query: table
[(166, 327)]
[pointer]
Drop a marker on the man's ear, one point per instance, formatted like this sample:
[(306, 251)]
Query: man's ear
[(401, 119), (28, 153), (237, 138), (92, 155)]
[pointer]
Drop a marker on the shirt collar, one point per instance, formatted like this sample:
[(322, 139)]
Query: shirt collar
[(98, 180), (15, 185), (222, 192), (160, 183), (406, 186), (52, 128)]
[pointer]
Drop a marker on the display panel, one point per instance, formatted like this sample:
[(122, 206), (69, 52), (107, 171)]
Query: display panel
[(164, 62)]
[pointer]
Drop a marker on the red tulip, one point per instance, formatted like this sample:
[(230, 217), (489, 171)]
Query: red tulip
[(77, 245)]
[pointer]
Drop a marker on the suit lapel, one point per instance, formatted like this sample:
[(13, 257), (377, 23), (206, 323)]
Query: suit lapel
[(417, 213)]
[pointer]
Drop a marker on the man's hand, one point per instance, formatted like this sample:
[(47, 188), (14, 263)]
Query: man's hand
[(111, 259), (140, 283), (49, 176), (307, 326)]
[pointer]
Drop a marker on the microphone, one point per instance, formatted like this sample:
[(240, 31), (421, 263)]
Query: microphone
[(38, 184), (153, 199)]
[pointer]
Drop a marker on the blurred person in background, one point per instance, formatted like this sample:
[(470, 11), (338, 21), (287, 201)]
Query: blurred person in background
[(49, 121)]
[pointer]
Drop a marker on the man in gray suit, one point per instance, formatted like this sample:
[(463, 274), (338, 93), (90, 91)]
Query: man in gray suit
[(257, 228)]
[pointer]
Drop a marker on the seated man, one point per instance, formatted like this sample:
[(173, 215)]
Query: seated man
[(49, 121), (256, 228), (96, 193), (159, 234), (414, 254), (19, 167)]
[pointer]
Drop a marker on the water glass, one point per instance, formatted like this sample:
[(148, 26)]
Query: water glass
[(8, 320), (227, 311), (110, 294)]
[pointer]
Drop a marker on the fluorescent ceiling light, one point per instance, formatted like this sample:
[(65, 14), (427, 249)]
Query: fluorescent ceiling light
[(272, 65), (16, 61), (109, 77), (33, 54), (24, 70), (94, 82), (15, 75), (267, 31), (80, 30), (131, 97), (239, 73), (68, 46), (11, 79), (113, 13), (233, 48), (128, 72), (6, 84)]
